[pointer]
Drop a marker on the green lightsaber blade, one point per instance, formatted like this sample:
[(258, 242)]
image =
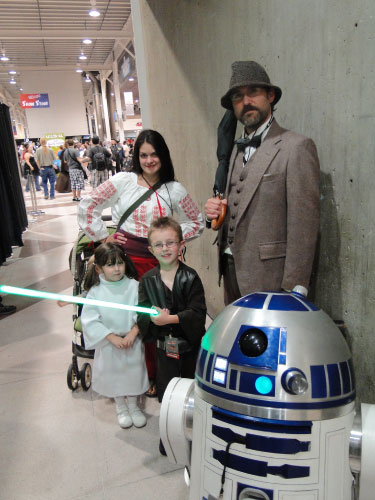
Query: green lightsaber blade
[(26, 292)]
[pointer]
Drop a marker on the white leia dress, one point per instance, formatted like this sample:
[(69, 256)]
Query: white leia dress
[(116, 372)]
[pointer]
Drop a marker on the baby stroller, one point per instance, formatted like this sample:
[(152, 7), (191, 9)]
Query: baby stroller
[(79, 257)]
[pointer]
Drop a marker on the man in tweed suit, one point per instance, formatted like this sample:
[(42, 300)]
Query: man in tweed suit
[(269, 235)]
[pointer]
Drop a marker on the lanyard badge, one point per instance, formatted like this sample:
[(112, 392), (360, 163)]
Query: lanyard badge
[(171, 347)]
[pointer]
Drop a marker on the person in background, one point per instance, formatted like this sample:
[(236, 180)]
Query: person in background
[(98, 156), (31, 167), (117, 154), (74, 161), (63, 180), (45, 157)]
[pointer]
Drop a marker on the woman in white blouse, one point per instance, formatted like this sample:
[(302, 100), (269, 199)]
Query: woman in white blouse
[(152, 164)]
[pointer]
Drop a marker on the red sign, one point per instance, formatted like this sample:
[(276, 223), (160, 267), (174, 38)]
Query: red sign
[(34, 101)]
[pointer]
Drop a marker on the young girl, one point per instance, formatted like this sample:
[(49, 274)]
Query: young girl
[(119, 366)]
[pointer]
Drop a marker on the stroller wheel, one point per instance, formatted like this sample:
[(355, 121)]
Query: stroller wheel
[(71, 378), (86, 376)]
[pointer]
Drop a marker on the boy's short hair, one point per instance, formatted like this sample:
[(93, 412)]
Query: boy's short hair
[(164, 223)]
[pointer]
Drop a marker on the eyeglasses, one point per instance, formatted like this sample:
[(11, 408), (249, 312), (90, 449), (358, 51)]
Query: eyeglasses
[(238, 95), (169, 244)]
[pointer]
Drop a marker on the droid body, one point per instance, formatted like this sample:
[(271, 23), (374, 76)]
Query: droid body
[(270, 413)]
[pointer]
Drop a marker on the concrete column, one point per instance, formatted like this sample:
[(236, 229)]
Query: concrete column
[(97, 104), (103, 84), (139, 23), (88, 114), (116, 90), (111, 111)]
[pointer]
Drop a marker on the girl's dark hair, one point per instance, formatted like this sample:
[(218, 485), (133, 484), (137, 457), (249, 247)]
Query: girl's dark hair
[(157, 141), (108, 253)]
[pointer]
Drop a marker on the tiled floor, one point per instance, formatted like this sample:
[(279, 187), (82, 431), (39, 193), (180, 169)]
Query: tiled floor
[(55, 444)]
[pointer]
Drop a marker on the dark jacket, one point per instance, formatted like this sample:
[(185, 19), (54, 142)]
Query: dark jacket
[(188, 303)]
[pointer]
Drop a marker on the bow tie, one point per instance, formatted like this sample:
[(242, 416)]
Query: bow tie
[(254, 142)]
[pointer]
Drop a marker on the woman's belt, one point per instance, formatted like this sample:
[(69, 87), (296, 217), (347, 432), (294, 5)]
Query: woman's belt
[(135, 245)]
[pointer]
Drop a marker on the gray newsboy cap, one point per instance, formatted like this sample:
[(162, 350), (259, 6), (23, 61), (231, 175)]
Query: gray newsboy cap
[(248, 73)]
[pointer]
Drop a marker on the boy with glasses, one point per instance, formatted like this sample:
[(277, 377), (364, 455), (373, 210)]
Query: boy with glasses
[(176, 291)]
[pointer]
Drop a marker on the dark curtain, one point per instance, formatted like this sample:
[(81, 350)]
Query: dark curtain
[(13, 217)]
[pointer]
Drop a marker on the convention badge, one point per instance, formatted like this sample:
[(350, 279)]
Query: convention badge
[(171, 347)]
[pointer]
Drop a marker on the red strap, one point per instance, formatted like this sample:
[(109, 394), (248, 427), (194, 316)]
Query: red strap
[(157, 199)]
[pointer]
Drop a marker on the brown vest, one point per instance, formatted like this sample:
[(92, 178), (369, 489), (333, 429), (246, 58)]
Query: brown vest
[(239, 174)]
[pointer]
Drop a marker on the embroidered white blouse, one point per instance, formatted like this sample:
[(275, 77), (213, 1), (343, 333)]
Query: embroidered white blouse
[(121, 191)]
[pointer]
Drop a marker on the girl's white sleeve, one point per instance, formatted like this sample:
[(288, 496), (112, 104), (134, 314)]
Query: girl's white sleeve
[(94, 330), (91, 207), (189, 216)]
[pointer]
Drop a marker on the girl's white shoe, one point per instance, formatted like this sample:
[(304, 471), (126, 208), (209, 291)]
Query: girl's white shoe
[(137, 417), (124, 419)]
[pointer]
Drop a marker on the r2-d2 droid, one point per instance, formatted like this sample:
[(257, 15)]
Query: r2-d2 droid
[(271, 413)]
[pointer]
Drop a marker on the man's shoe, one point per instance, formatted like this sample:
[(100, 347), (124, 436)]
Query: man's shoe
[(138, 418), (51, 197), (4, 310), (46, 197), (124, 419)]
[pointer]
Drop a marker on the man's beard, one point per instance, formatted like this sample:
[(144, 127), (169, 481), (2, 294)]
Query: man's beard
[(253, 121)]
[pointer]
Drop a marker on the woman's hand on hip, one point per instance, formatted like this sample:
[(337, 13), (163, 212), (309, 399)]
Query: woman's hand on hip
[(116, 238)]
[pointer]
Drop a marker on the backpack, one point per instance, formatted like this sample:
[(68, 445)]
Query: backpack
[(98, 160)]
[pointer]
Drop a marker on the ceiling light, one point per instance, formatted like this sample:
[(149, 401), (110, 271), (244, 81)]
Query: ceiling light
[(78, 70), (131, 79), (12, 81), (93, 12), (87, 79), (4, 57), (12, 72), (20, 89), (87, 41), (82, 57), (112, 93)]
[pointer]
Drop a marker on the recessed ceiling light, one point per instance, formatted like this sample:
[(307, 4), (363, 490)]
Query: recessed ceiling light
[(93, 12), (79, 70), (13, 82), (12, 72), (112, 93), (4, 58), (20, 89), (87, 41), (82, 57), (87, 79), (131, 79)]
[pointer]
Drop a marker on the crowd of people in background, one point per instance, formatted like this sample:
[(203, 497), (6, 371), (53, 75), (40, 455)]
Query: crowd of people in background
[(74, 163)]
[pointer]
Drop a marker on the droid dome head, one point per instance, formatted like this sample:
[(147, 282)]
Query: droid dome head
[(276, 355)]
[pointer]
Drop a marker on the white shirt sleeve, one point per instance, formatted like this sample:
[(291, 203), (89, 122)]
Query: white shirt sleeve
[(189, 216), (94, 330)]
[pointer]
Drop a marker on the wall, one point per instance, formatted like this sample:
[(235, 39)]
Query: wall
[(67, 109), (322, 55)]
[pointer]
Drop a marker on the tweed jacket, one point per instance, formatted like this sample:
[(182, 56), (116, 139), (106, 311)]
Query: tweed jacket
[(276, 221)]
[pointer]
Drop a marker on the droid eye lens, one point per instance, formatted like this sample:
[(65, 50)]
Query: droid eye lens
[(253, 342)]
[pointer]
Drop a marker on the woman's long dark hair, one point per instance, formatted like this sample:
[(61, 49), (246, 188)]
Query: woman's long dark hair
[(108, 253), (157, 141)]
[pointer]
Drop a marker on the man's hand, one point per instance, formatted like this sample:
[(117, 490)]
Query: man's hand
[(161, 319), (212, 207)]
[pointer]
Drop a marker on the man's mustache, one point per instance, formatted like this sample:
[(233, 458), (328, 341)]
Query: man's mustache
[(247, 108)]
